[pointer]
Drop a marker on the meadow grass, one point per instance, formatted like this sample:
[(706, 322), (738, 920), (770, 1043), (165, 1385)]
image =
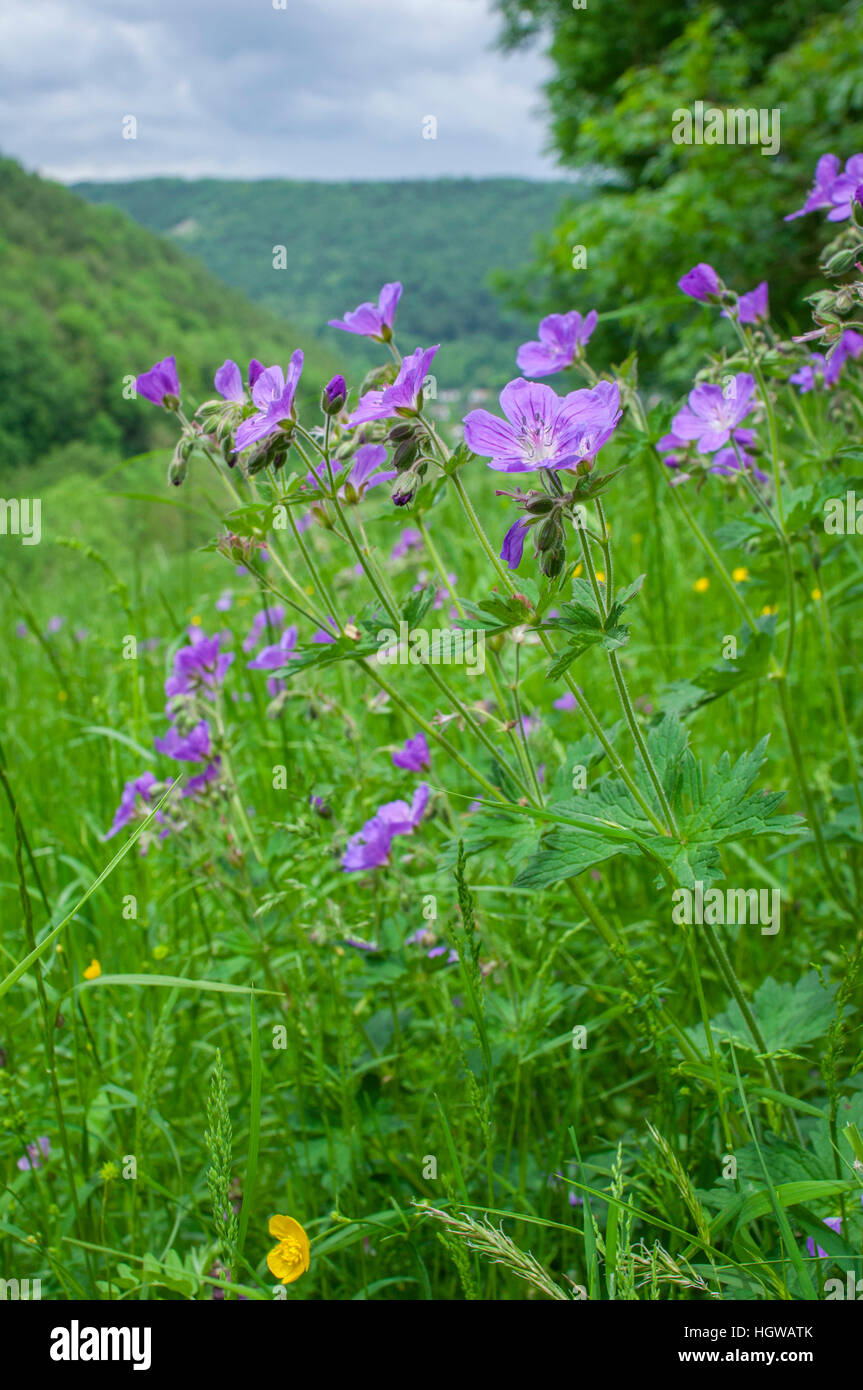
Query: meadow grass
[(207, 1042)]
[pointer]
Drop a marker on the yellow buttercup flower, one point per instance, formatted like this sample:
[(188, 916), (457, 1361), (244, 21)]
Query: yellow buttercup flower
[(769, 609), (701, 585), (290, 1258), (196, 620), (740, 574), (600, 576), (816, 594), (577, 569), (93, 970)]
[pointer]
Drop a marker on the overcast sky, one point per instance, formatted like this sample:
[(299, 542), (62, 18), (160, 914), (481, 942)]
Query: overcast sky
[(332, 89)]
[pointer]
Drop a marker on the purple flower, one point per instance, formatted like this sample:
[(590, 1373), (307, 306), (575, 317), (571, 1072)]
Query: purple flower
[(322, 635), (370, 847), (727, 462), (267, 618), (542, 429), (373, 320), (55, 624), (701, 283), (200, 666), (752, 307), (35, 1153), (414, 756), (404, 397), (821, 193), (273, 393), (844, 190), (192, 747), (160, 384), (228, 381), (560, 337), (272, 658), (711, 415), (360, 945), (21, 630), (363, 475), (334, 395), (139, 786), (834, 1222), (828, 369), (849, 345), (224, 602), (203, 779), (565, 701), (410, 539), (513, 543)]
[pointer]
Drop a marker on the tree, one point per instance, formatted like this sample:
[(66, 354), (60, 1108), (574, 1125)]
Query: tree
[(622, 69)]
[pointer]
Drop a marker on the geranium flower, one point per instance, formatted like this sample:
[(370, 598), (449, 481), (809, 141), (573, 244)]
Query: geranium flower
[(710, 415), (370, 847), (160, 384), (373, 320), (701, 283), (363, 472), (200, 666), (34, 1154), (403, 397), (228, 380), (274, 657), (828, 369), (560, 337), (192, 747), (512, 549), (835, 1224), (267, 618), (291, 1256), (139, 786), (273, 393), (542, 429), (752, 307), (832, 189), (410, 539), (203, 779), (415, 756)]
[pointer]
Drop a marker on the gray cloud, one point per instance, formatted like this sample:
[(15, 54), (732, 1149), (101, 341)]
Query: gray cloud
[(240, 88)]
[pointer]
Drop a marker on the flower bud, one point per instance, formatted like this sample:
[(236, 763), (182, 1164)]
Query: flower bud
[(179, 465), (552, 561), (400, 432), (405, 495), (539, 504), (549, 534), (334, 395), (405, 454)]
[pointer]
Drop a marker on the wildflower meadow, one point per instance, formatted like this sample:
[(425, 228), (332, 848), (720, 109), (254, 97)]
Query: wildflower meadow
[(432, 842)]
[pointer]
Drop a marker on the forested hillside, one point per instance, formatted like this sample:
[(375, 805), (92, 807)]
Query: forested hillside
[(87, 298), (342, 241)]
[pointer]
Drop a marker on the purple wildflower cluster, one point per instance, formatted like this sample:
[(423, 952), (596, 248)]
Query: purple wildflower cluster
[(370, 847), (197, 674)]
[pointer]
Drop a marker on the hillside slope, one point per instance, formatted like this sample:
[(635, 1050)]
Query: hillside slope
[(87, 298), (440, 237)]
